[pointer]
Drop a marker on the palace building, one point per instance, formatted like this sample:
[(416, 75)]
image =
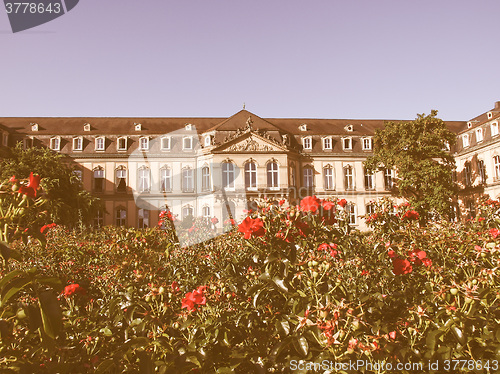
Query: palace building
[(218, 167)]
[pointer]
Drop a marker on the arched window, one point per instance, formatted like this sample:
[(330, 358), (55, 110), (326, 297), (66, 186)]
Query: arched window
[(144, 176), (293, 181), (143, 218), (496, 164), (481, 170), (369, 180), (467, 174), (272, 175), (228, 175), (206, 214), (250, 175), (187, 211)]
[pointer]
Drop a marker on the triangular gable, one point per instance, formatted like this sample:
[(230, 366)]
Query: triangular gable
[(251, 142), (241, 120)]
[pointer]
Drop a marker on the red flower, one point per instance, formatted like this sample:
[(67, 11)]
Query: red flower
[(328, 205), (49, 226), (411, 215), (309, 204), (214, 220), (401, 266), (494, 233), (230, 221), (73, 289), (391, 254), (324, 247), (252, 226), (342, 202), (175, 286), (194, 298), (30, 189), (13, 179), (427, 262)]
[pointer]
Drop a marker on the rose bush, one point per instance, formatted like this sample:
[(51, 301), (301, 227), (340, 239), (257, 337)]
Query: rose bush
[(286, 283)]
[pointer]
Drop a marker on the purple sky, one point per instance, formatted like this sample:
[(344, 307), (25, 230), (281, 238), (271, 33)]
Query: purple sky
[(388, 59)]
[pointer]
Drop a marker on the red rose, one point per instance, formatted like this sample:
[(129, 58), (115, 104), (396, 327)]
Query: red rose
[(309, 204), (215, 220), (401, 266), (73, 289), (411, 215), (342, 203), (252, 226), (194, 298), (328, 205), (494, 233)]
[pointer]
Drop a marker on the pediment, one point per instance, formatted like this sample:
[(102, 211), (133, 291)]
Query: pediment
[(251, 143)]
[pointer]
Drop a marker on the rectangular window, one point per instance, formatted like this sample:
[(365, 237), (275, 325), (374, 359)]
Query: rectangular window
[(388, 179), (467, 174), (205, 179), (5, 139), (479, 135), (496, 164), (347, 143), (327, 143), (143, 217), (481, 170), (465, 140), (122, 144), (307, 143), (367, 144), (144, 180), (99, 219), (348, 178), (369, 180), (328, 178), (187, 180), (308, 178), (351, 211), (121, 180), (272, 175), (494, 129), (228, 175), (370, 209), (292, 176), (187, 143), (165, 180), (165, 143), (99, 144), (250, 175), (121, 217), (144, 144), (77, 144), (98, 180), (55, 144), (79, 174)]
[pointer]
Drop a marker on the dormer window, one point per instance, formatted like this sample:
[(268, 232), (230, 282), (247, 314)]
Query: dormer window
[(469, 124), (347, 144), (479, 135), (465, 140), (349, 128), (187, 143), (189, 127), (144, 144), (303, 127), (327, 143), (78, 143), (165, 143), (207, 141), (367, 144), (55, 143), (494, 129), (5, 139), (307, 142), (34, 127), (490, 115), (86, 127), (122, 144), (138, 126), (99, 143)]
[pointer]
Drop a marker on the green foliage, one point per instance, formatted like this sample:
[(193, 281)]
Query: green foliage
[(306, 287), (417, 151), (69, 203)]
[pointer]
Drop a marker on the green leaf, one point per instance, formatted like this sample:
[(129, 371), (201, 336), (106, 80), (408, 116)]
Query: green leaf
[(5, 250), (105, 366), (13, 287), (8, 277), (301, 345), (51, 313), (281, 284)]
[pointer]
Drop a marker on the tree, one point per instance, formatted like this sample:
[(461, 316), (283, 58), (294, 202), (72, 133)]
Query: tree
[(69, 204), (418, 151)]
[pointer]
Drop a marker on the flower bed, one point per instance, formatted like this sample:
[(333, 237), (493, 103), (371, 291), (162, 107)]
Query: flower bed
[(287, 284)]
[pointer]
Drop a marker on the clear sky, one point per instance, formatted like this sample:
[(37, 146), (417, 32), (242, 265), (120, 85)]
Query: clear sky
[(380, 59)]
